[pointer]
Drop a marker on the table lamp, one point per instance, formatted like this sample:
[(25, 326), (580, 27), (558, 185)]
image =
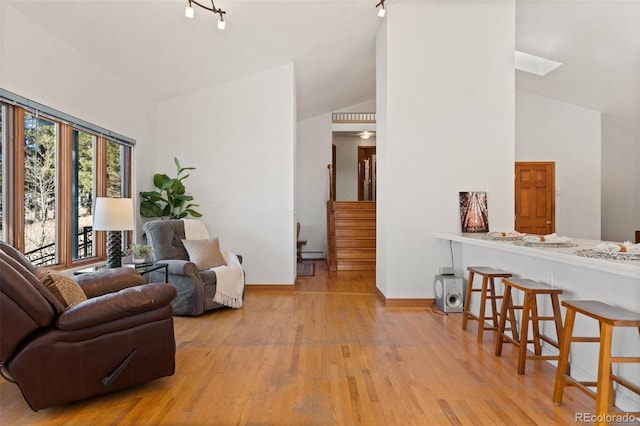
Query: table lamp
[(113, 215)]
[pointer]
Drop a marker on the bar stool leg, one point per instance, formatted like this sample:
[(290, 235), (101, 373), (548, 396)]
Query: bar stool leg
[(515, 334), (604, 373), (494, 305), (483, 307), (557, 317), (524, 334), (563, 362), (536, 325), (467, 300), (506, 307)]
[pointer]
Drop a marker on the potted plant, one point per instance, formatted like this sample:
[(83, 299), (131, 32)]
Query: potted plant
[(170, 201), (140, 253)]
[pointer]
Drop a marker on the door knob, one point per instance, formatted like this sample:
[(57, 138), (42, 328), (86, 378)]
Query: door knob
[(548, 222)]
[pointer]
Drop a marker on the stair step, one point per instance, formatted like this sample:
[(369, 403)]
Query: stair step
[(367, 254), (355, 266), (355, 214), (361, 243), (355, 234), (355, 223)]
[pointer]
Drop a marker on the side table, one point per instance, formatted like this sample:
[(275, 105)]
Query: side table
[(141, 268)]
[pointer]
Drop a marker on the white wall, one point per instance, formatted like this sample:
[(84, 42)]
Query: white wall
[(41, 67), (347, 165), (620, 181), (448, 126), (550, 130), (312, 182), (240, 137)]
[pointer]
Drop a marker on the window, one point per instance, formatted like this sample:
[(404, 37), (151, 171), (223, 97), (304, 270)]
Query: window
[(114, 170), (82, 199), (52, 167), (39, 207)]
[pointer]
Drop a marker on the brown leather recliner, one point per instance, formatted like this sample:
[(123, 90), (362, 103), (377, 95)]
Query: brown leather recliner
[(121, 336)]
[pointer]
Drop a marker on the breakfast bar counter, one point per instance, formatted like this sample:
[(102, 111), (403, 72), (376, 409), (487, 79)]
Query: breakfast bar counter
[(612, 280)]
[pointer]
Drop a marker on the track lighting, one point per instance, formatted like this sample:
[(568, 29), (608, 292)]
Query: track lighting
[(189, 12), (382, 11)]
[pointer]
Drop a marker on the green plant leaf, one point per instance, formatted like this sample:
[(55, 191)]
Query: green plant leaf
[(193, 213), (150, 209), (171, 201), (152, 196)]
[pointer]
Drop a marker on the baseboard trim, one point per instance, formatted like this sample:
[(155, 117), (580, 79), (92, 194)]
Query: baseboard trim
[(404, 303), (276, 287)]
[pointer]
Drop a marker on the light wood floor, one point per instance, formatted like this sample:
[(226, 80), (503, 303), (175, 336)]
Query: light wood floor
[(327, 353)]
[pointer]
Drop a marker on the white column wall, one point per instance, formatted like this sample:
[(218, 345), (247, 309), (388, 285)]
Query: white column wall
[(569, 135), (240, 137), (58, 76), (447, 126)]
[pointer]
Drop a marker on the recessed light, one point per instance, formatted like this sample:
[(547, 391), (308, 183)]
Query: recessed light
[(535, 64)]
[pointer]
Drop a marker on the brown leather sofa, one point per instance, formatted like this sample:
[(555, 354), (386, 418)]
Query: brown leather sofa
[(121, 336)]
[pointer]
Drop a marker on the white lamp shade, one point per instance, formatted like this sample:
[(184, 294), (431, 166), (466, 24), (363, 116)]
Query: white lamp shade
[(113, 214)]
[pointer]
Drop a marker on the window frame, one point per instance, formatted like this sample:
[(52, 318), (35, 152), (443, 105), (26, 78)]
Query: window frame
[(13, 190)]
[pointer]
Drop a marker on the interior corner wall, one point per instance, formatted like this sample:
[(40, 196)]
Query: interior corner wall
[(448, 126), (240, 137), (58, 76), (569, 135), (312, 182), (620, 181)]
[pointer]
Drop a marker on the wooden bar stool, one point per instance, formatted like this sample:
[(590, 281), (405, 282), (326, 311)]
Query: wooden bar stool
[(531, 289), (608, 317), (487, 294)]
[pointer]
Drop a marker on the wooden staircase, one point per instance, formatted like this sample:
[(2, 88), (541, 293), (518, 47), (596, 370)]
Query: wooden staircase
[(351, 235)]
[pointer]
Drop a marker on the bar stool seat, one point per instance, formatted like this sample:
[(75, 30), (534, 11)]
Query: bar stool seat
[(487, 294), (608, 317), (531, 289)]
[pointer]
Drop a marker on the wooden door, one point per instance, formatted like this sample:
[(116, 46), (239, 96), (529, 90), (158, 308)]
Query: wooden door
[(535, 197), (366, 173)]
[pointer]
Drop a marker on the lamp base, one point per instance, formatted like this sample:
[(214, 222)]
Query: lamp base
[(114, 249)]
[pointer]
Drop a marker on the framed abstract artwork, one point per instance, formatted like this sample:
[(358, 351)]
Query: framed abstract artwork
[(474, 214)]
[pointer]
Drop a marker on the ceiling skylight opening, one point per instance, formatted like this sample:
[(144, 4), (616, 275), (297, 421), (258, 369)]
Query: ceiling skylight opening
[(535, 64)]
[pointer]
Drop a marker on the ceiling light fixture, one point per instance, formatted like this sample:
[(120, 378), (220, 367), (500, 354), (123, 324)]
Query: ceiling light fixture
[(534, 64), (382, 10), (365, 135), (189, 12)]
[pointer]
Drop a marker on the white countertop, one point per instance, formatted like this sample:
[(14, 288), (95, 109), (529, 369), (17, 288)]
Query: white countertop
[(628, 268)]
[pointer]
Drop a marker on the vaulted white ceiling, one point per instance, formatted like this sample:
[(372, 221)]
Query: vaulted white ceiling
[(150, 45)]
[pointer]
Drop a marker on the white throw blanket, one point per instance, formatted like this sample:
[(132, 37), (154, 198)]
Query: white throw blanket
[(625, 247), (230, 282), (550, 238), (194, 229), (230, 277)]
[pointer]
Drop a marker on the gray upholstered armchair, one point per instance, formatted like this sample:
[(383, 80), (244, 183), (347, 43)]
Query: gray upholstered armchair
[(195, 288)]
